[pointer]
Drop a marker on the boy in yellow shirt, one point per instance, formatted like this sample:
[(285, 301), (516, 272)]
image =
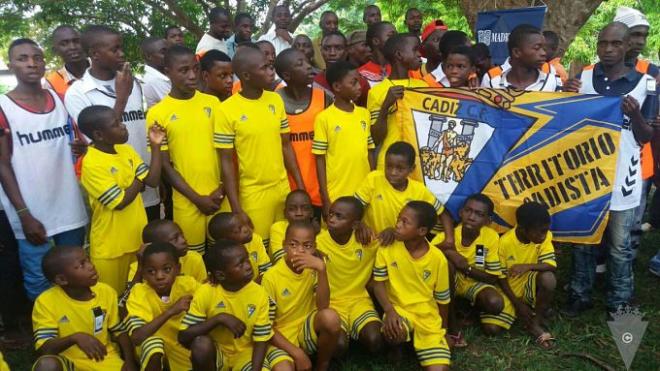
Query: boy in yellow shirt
[(476, 263), (231, 226), (342, 142), (190, 161), (385, 192), (304, 322), (349, 265), (528, 264), (297, 207), (253, 126), (76, 320), (113, 175), (156, 308), (163, 230), (412, 286), (402, 52), (227, 326)]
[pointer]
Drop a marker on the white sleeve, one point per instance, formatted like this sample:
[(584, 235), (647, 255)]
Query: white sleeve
[(75, 101)]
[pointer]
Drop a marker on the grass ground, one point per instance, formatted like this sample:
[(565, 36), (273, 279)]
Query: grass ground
[(588, 334)]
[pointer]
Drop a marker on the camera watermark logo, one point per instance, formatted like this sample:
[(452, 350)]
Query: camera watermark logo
[(627, 328)]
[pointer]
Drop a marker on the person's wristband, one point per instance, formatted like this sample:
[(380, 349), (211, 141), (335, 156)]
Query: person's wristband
[(22, 211)]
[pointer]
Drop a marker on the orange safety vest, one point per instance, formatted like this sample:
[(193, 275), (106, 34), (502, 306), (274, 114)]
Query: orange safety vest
[(302, 135), (59, 81), (642, 66)]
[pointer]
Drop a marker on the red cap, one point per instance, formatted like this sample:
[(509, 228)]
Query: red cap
[(437, 24)]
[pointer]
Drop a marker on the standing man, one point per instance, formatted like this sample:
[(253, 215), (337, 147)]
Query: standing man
[(219, 31), (243, 28), (553, 55), (371, 15), (66, 45), (280, 36), (173, 36), (413, 21), (358, 51), (39, 191), (155, 84), (109, 82), (329, 23), (613, 77)]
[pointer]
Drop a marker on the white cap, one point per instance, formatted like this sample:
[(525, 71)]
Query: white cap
[(630, 17)]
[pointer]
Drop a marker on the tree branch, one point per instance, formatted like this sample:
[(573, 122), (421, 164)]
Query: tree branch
[(304, 12), (174, 12)]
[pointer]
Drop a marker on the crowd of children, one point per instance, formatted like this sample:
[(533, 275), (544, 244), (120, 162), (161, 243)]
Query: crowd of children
[(292, 221)]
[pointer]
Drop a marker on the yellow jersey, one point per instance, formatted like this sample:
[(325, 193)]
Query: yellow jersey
[(3, 365), (277, 234), (144, 305), (294, 296), (344, 138), (488, 244), (413, 283), (192, 264), (189, 124), (383, 202), (349, 268), (259, 259), (250, 304), (513, 252), (395, 130), (253, 127), (56, 315), (105, 176)]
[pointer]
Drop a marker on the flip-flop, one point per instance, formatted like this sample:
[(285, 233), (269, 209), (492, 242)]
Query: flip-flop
[(545, 341), (458, 340)]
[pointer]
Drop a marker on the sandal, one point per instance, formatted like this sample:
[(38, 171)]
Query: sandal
[(545, 340), (458, 340)]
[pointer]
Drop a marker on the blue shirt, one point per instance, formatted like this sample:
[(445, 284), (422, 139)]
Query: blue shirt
[(231, 45)]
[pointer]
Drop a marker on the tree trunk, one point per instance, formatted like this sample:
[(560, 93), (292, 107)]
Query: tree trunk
[(565, 17)]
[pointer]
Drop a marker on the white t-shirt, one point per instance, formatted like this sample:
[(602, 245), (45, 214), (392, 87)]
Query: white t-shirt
[(155, 85), (278, 42), (90, 91), (208, 42), (43, 166), (496, 78), (440, 76)]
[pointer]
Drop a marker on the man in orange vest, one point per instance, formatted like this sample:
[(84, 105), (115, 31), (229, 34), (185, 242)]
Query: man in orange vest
[(66, 44)]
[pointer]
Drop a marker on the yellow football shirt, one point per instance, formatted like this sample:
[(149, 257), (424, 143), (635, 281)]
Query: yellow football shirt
[(413, 282), (56, 315), (277, 234), (349, 268), (395, 130), (250, 304), (105, 176), (259, 259), (384, 203), (488, 239), (189, 124), (3, 365), (192, 264), (513, 252), (144, 305), (253, 127), (294, 296), (344, 138)]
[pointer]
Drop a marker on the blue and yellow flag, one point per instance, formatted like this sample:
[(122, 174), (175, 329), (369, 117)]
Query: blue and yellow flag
[(559, 149)]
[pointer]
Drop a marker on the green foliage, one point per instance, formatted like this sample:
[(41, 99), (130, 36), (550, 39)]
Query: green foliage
[(583, 48)]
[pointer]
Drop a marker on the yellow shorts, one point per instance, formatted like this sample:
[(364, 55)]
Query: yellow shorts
[(114, 272), (356, 315), (193, 223), (112, 361), (243, 361), (507, 317), (469, 288), (265, 208), (425, 330), (177, 356)]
